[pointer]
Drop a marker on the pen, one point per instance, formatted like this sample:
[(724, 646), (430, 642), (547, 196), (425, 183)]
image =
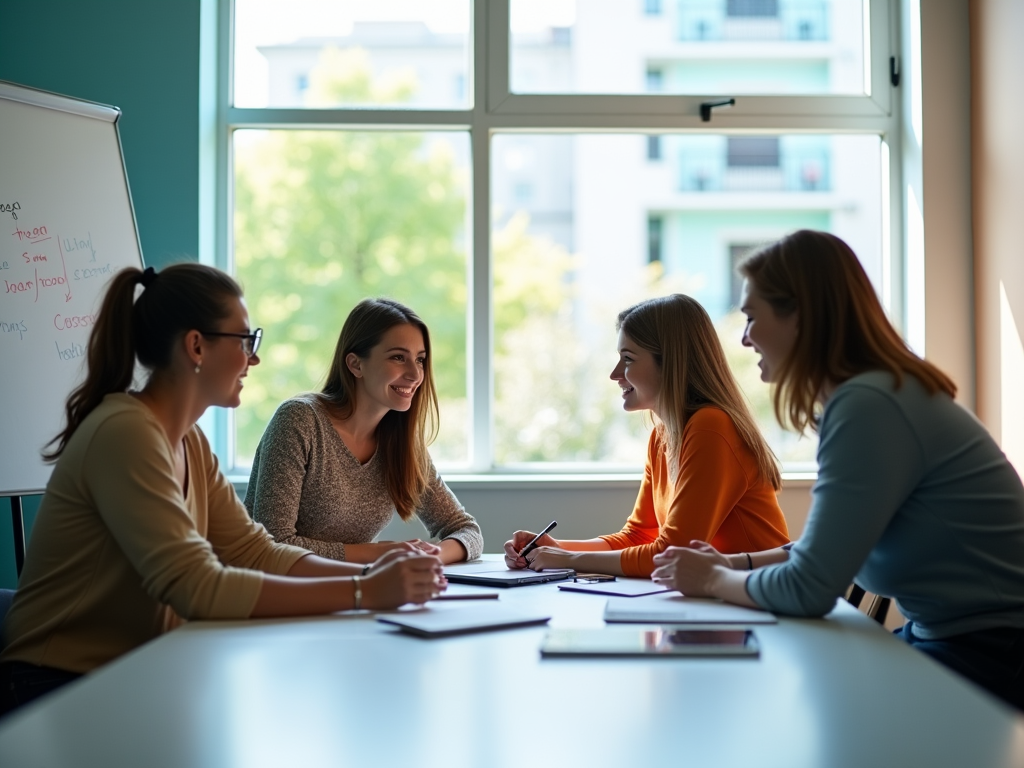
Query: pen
[(533, 543), (466, 596)]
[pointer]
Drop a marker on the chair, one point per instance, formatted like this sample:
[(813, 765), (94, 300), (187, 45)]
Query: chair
[(877, 609), (6, 598)]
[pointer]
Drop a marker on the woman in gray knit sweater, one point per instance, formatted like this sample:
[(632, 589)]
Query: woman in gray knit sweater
[(334, 466)]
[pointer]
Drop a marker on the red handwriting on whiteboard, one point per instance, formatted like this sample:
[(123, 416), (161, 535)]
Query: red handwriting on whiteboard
[(32, 234), (64, 323), (18, 287), (34, 257)]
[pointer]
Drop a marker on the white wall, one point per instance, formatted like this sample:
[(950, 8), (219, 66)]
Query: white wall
[(583, 509)]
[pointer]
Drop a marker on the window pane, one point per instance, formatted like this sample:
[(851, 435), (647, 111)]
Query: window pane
[(732, 47), (333, 53), (326, 218), (604, 227)]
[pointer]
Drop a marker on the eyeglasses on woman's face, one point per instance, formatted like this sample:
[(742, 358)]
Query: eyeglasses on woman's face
[(250, 341)]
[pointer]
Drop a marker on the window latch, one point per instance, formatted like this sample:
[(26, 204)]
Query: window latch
[(894, 71), (707, 106)]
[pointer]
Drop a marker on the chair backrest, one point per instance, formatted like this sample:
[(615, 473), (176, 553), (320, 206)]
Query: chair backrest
[(6, 598), (877, 609)]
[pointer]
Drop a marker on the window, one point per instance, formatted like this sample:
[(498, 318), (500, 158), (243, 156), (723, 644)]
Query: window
[(491, 168), (758, 152), (752, 8), (655, 79), (655, 227), (654, 147)]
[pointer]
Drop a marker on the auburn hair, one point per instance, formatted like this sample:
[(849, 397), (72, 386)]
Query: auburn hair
[(178, 299), (402, 436), (842, 330), (678, 332)]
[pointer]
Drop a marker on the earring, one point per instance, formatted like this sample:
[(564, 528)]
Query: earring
[(199, 366)]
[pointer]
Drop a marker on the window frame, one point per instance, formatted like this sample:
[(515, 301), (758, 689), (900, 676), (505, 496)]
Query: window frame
[(496, 109)]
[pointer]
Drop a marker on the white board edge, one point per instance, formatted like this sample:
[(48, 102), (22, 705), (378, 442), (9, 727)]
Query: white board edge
[(26, 95)]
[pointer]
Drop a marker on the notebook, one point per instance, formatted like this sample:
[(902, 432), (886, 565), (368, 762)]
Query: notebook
[(632, 588), (508, 578), (660, 642), (673, 608), (462, 620)]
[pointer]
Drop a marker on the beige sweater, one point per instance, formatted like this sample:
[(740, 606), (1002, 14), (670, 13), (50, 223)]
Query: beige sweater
[(118, 553), (309, 490)]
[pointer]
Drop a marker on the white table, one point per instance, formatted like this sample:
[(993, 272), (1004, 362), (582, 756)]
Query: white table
[(344, 690)]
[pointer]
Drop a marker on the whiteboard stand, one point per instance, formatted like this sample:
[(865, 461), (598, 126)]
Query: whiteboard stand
[(18, 526)]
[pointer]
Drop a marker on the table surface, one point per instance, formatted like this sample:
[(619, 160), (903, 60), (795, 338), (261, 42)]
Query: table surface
[(346, 690)]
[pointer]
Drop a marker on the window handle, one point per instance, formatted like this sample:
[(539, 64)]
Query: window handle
[(707, 106)]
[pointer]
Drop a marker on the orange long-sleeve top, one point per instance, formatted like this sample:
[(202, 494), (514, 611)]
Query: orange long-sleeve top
[(717, 497)]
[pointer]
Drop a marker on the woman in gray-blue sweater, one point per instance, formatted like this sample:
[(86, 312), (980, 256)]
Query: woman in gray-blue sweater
[(914, 499)]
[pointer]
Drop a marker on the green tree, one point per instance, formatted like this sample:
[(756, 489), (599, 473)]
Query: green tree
[(326, 218)]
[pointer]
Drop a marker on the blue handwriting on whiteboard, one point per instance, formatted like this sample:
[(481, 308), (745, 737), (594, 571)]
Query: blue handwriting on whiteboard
[(18, 327)]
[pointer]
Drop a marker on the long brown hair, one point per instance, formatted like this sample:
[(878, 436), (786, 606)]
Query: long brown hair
[(180, 298), (842, 329), (402, 436), (676, 329)]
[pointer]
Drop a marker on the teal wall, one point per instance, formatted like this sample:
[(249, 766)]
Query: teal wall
[(144, 58)]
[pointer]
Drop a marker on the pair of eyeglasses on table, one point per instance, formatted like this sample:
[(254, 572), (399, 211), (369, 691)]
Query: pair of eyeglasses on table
[(250, 341), (592, 578)]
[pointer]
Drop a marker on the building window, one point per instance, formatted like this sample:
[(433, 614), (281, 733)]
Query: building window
[(655, 79), (655, 226), (737, 253), (654, 147), (753, 152), (749, 8)]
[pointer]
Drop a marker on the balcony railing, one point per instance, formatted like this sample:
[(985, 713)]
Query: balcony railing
[(756, 20), (798, 170)]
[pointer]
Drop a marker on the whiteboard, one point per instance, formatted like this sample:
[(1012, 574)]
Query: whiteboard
[(66, 227)]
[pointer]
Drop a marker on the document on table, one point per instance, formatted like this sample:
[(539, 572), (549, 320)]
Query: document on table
[(673, 608), (460, 620)]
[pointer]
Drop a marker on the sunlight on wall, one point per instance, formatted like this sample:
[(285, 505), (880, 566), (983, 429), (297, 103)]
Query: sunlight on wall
[(1011, 358)]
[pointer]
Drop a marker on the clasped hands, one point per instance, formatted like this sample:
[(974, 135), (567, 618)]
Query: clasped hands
[(689, 569), (404, 576)]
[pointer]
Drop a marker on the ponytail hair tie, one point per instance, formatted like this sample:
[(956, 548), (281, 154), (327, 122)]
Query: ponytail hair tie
[(148, 276)]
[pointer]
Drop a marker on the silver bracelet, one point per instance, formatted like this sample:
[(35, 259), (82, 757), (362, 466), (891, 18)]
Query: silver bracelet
[(366, 569), (357, 593)]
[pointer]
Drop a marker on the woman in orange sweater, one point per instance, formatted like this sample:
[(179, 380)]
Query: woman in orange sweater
[(710, 475)]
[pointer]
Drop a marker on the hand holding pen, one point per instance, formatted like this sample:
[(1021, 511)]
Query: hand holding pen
[(524, 542)]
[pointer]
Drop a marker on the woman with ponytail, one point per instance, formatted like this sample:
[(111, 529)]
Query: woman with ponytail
[(710, 475), (914, 500), (334, 467), (138, 529)]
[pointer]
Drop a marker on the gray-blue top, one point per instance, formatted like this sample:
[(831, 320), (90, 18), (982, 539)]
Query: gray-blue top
[(914, 500)]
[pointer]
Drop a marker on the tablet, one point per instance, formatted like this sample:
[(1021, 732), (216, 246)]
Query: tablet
[(462, 620), (673, 608), (632, 588), (508, 578), (657, 642)]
